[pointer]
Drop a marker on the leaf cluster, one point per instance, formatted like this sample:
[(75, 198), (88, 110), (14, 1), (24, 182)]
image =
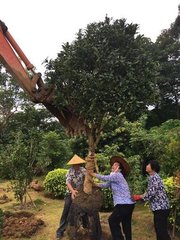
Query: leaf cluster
[(108, 69), (55, 182)]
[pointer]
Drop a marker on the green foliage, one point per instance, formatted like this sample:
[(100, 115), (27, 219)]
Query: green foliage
[(172, 185), (107, 200), (114, 134), (49, 149), (167, 51), (124, 137), (159, 115), (160, 143), (20, 189), (54, 150), (18, 160), (1, 221), (32, 119), (79, 146), (104, 157), (165, 145), (137, 182), (106, 55), (55, 182), (9, 98)]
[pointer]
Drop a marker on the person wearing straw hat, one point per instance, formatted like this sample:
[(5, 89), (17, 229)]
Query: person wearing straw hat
[(74, 180), (122, 200)]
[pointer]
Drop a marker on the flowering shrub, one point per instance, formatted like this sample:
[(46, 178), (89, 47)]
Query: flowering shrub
[(172, 185)]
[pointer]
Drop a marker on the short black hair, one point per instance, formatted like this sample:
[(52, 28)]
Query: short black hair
[(154, 165)]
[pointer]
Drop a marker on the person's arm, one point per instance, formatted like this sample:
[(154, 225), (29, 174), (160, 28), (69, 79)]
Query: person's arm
[(69, 178), (151, 190), (73, 191), (104, 185), (101, 185), (107, 178)]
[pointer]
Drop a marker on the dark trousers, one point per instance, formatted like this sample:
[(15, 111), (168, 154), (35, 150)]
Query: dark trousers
[(64, 217), (161, 224), (122, 213)]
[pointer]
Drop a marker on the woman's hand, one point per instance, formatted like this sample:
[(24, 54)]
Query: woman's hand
[(91, 173), (74, 193), (137, 197)]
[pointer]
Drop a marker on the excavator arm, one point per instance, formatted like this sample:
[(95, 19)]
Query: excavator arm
[(13, 58), (18, 65)]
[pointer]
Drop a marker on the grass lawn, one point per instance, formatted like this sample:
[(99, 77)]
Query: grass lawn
[(50, 210)]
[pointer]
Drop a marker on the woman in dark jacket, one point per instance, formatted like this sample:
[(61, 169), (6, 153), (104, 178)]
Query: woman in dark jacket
[(157, 197)]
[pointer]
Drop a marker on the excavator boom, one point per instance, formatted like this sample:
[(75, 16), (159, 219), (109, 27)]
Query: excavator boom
[(18, 65), (13, 59)]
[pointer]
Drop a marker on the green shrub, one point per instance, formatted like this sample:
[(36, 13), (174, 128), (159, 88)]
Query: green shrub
[(173, 190), (137, 182), (107, 200), (55, 182)]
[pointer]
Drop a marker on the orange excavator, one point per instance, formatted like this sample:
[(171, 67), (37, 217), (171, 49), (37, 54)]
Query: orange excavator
[(18, 65)]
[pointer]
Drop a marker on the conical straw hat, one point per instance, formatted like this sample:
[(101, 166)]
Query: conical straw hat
[(76, 160)]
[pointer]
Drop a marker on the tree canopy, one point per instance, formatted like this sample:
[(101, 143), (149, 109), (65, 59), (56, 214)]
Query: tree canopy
[(107, 69), (168, 55)]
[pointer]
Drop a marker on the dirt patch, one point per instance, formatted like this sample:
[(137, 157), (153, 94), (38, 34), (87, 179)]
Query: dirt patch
[(20, 224)]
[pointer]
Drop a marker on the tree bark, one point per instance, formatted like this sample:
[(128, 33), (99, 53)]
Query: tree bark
[(91, 163)]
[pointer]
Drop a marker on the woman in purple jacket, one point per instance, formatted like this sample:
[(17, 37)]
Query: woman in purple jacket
[(123, 203)]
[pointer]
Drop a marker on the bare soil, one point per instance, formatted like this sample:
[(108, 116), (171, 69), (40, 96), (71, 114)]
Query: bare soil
[(20, 224)]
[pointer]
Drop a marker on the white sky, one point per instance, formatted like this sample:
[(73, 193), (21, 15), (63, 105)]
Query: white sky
[(40, 27)]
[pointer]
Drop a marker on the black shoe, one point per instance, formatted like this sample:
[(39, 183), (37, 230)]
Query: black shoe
[(59, 237)]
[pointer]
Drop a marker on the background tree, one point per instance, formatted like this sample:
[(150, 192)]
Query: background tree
[(18, 160), (51, 144), (160, 143), (9, 98), (168, 54), (108, 69), (54, 151)]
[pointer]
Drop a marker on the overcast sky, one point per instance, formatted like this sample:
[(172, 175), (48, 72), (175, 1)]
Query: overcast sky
[(40, 27)]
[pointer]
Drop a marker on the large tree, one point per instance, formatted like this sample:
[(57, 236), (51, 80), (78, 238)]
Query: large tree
[(168, 55), (107, 69)]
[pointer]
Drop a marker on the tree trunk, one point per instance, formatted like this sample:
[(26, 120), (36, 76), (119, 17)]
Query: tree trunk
[(91, 164), (89, 199)]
